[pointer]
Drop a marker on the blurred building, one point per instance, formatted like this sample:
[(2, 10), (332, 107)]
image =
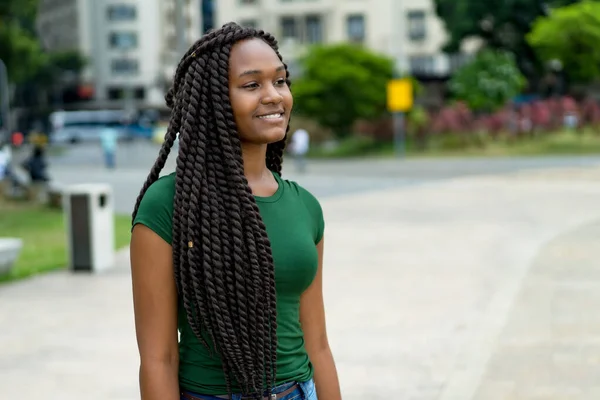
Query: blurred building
[(408, 30), (131, 45)]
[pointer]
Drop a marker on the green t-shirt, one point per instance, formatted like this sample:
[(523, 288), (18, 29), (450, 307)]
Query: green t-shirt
[(294, 222)]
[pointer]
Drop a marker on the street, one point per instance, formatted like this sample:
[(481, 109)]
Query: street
[(83, 163)]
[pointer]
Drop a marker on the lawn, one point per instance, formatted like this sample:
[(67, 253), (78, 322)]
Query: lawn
[(44, 237)]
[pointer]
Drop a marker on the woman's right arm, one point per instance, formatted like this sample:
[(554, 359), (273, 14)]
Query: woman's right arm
[(155, 308)]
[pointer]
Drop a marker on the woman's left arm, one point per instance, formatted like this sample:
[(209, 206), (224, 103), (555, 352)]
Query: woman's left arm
[(312, 318)]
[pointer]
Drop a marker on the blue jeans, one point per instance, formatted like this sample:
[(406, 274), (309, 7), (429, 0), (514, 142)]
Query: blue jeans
[(304, 391), (109, 159)]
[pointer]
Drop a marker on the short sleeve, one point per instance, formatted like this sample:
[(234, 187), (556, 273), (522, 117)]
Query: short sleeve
[(156, 208), (316, 212)]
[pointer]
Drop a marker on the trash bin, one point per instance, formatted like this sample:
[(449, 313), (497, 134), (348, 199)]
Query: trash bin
[(90, 227)]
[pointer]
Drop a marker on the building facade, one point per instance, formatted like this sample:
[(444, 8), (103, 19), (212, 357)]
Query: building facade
[(131, 45), (408, 30)]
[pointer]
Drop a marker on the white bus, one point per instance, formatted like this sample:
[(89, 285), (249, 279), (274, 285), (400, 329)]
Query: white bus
[(85, 126)]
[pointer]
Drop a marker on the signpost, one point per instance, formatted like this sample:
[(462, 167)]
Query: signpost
[(399, 101)]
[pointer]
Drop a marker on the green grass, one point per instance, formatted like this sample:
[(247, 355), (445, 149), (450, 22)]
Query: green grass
[(452, 145), (44, 237)]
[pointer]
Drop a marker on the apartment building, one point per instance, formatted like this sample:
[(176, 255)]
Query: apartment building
[(131, 45), (407, 30)]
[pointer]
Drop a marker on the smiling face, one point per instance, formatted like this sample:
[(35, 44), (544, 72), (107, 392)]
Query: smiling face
[(259, 95)]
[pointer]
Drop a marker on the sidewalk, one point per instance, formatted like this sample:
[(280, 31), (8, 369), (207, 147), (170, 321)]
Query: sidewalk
[(427, 289)]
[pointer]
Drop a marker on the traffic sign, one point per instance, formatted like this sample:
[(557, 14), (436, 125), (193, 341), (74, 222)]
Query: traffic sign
[(399, 95)]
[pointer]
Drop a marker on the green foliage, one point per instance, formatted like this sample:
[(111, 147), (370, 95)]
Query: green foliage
[(341, 84), (69, 60), (20, 51), (19, 47), (54, 64), (500, 24), (572, 35), (489, 81), (417, 118)]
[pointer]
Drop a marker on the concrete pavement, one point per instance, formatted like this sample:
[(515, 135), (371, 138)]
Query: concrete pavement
[(481, 287)]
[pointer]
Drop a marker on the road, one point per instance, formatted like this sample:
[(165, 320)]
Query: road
[(83, 164)]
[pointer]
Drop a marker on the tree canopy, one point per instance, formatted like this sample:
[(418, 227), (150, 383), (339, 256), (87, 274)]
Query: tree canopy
[(489, 81), (500, 24), (570, 35), (341, 84), (20, 48)]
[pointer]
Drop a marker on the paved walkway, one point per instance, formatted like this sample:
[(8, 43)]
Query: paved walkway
[(475, 288)]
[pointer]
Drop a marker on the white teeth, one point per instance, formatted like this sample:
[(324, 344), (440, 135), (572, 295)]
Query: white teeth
[(270, 116)]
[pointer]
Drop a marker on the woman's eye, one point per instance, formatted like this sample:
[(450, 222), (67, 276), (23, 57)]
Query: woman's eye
[(281, 82), (253, 85)]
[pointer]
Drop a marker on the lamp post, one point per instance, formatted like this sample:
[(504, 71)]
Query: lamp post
[(556, 67), (4, 107), (400, 71), (180, 28)]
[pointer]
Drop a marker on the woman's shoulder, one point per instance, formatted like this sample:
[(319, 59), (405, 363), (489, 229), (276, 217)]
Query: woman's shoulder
[(298, 189), (307, 197), (156, 207), (160, 193), (163, 186), (311, 203)]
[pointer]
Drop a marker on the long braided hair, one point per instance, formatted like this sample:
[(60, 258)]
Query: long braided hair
[(222, 257)]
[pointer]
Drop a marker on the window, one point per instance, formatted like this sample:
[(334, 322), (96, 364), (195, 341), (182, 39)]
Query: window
[(139, 93), (355, 25), (289, 28), (123, 40), (458, 60), (119, 93), (249, 23), (208, 15), (314, 29), (124, 66), (115, 93), (422, 64), (121, 12), (417, 28)]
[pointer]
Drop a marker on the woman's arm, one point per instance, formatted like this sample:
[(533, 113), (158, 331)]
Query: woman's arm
[(312, 318), (155, 307)]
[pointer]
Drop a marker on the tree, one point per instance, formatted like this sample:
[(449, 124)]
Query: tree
[(571, 35), (54, 65), (500, 24), (342, 84), (19, 47), (32, 70), (489, 81)]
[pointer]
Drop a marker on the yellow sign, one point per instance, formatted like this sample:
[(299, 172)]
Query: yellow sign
[(399, 95)]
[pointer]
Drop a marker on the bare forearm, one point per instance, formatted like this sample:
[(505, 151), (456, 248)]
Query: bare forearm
[(326, 377), (159, 381)]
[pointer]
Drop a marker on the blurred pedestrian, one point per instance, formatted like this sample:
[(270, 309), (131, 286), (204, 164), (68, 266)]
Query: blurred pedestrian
[(5, 159), (36, 166), (299, 147), (109, 146)]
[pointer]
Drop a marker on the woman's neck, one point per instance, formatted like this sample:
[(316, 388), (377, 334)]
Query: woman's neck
[(255, 164)]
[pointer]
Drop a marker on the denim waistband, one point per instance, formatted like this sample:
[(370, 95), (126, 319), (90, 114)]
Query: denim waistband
[(275, 390), (283, 387)]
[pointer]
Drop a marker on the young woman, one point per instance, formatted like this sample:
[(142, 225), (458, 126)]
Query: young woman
[(224, 250)]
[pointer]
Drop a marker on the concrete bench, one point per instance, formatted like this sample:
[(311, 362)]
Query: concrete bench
[(9, 251), (55, 195)]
